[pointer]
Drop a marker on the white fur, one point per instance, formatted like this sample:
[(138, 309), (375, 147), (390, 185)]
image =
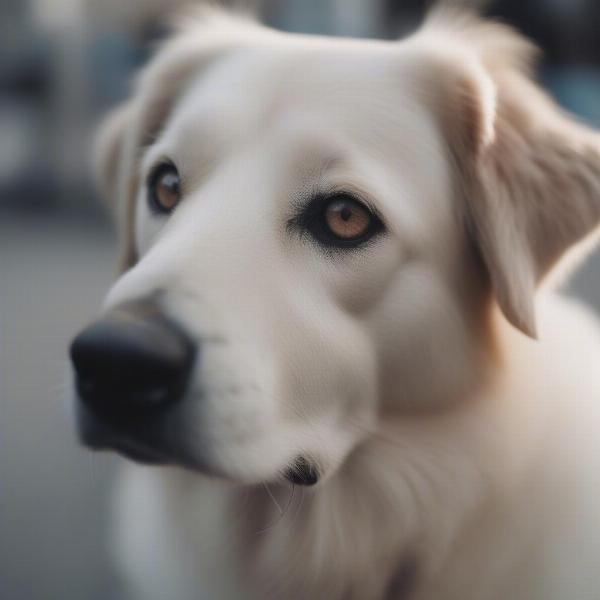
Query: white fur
[(459, 456)]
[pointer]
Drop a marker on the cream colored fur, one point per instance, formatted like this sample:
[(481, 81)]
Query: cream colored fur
[(460, 457)]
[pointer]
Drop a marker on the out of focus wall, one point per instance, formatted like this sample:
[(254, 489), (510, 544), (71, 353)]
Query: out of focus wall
[(63, 64)]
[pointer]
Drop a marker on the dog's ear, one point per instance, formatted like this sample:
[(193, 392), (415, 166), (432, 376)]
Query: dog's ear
[(115, 171), (529, 174), (108, 150)]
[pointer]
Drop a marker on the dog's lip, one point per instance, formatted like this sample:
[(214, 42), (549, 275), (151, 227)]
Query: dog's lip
[(98, 433), (133, 441), (128, 449)]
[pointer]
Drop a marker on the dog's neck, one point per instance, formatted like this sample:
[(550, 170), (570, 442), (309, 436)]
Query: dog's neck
[(359, 534), (362, 533)]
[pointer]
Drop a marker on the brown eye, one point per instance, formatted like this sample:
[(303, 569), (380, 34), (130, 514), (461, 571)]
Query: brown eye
[(338, 222), (164, 189), (347, 219)]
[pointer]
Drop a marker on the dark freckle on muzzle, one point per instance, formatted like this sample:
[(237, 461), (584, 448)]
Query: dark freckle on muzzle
[(302, 472)]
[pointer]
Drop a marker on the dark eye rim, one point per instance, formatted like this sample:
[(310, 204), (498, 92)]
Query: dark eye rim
[(311, 220), (156, 173)]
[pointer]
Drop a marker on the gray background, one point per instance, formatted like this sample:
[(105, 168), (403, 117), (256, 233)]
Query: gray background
[(61, 65)]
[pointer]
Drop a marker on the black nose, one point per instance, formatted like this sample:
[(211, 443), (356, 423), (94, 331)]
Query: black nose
[(132, 360)]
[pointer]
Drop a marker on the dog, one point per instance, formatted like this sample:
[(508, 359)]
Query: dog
[(335, 352)]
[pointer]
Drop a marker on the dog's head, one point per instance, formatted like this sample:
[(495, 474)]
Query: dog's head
[(316, 234)]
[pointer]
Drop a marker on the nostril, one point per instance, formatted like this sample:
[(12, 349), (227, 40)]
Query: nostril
[(132, 359)]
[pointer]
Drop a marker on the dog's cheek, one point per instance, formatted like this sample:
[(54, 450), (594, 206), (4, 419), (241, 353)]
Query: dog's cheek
[(357, 281), (331, 391)]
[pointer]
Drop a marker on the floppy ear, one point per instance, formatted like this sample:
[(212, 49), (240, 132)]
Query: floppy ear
[(530, 175), (115, 172), (108, 150)]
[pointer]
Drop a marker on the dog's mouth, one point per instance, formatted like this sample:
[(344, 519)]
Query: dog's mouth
[(139, 439), (133, 452), (143, 441)]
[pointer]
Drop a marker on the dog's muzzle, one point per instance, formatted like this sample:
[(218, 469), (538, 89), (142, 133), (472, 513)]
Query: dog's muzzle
[(132, 367)]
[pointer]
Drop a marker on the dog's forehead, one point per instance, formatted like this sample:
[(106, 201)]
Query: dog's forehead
[(359, 88)]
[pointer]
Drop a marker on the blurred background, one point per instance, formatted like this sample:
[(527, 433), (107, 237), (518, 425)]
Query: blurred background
[(63, 64)]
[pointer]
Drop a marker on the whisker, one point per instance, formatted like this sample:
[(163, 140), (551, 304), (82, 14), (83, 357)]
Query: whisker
[(274, 499), (282, 512)]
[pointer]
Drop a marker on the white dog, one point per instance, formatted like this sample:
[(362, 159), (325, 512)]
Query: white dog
[(332, 259)]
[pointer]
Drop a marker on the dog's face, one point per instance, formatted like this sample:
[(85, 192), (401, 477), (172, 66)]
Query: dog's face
[(294, 226)]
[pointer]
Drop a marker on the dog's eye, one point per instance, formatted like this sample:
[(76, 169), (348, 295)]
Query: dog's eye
[(341, 221), (347, 219), (164, 188)]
